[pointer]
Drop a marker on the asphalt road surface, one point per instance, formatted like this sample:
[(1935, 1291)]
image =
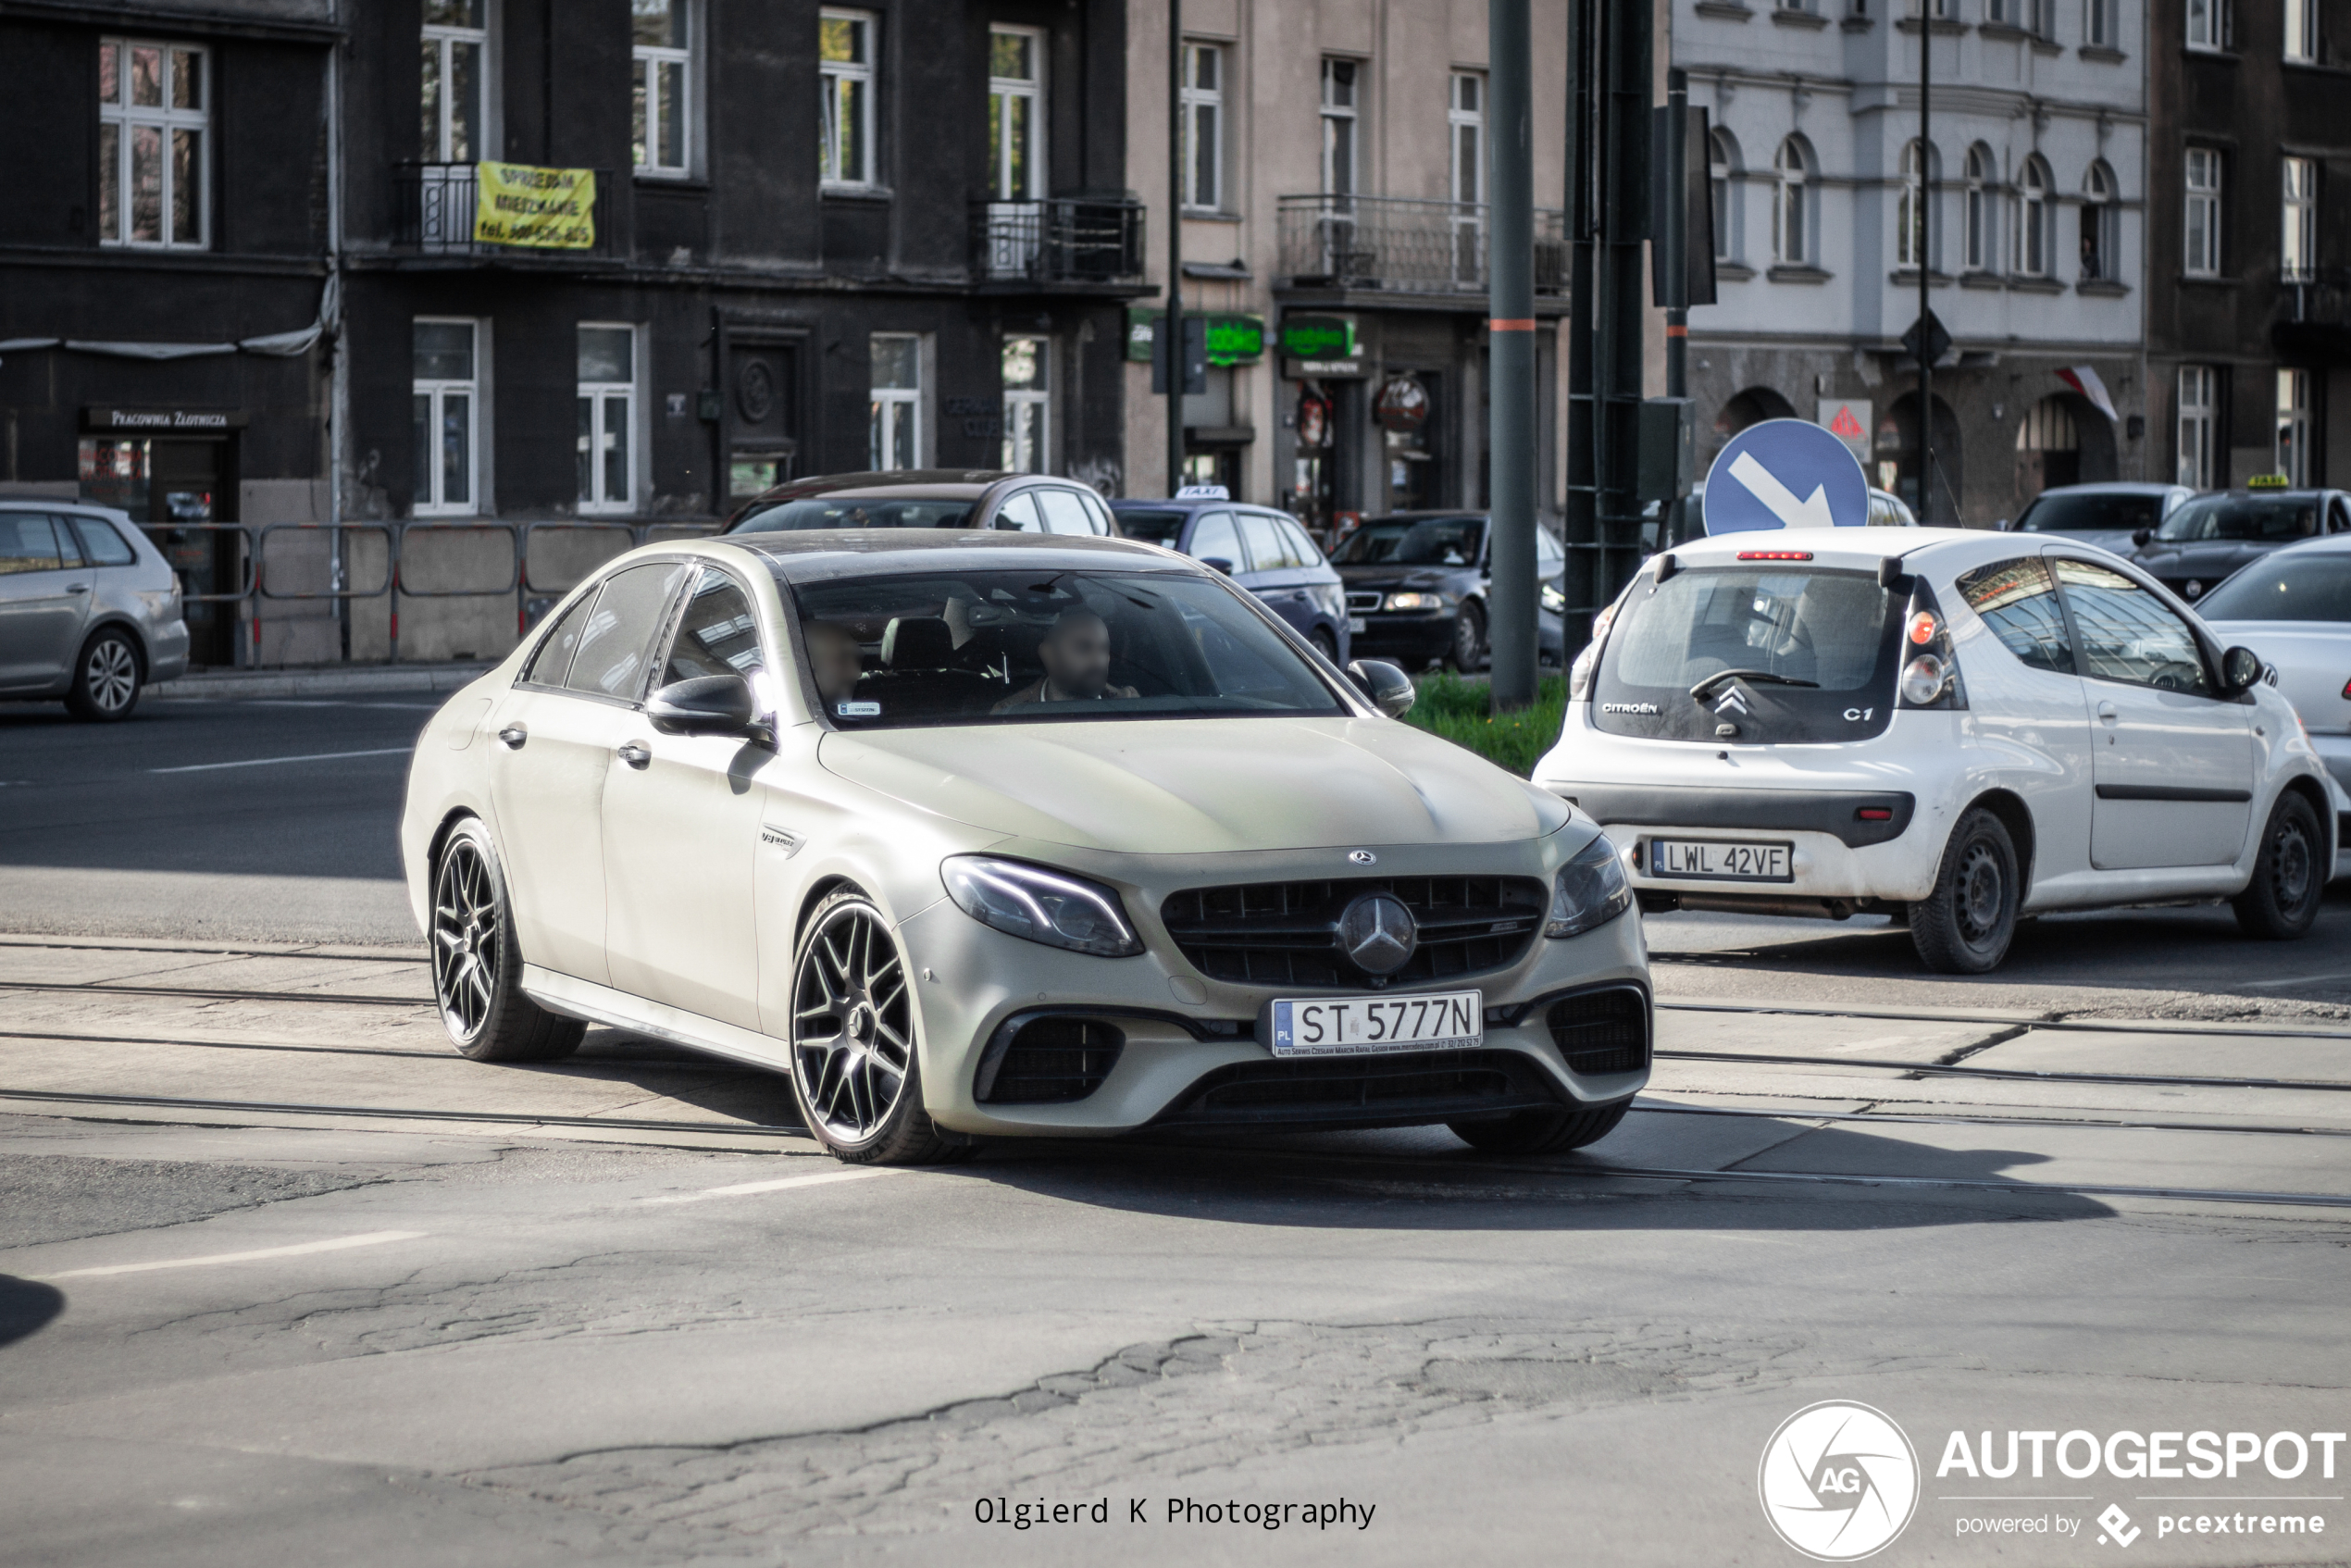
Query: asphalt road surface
[(284, 1281)]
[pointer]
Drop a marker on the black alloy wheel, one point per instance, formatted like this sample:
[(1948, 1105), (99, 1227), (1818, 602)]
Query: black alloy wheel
[(1965, 924), (2282, 901), (1468, 654), (106, 677), (854, 1070), (1325, 643), (476, 968), (1541, 1132)]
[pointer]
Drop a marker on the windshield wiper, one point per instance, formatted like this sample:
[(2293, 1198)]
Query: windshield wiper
[(1720, 676)]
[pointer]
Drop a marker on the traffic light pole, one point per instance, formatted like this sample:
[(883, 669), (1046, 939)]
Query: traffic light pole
[(1925, 228), (1510, 355), (1173, 324), (1672, 225)]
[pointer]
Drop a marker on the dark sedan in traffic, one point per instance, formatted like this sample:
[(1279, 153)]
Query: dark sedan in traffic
[(1262, 550), (2211, 536), (1417, 584)]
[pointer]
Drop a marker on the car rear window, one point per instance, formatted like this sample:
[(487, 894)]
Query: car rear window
[(2092, 513), (101, 545), (845, 511), (1817, 647), (2293, 587), (2269, 518)]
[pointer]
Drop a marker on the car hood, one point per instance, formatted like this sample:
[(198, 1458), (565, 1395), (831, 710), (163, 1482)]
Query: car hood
[(1199, 785), (1388, 575)]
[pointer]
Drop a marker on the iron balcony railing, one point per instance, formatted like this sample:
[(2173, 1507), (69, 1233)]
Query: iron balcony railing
[(1406, 244), (1063, 240), (434, 206)]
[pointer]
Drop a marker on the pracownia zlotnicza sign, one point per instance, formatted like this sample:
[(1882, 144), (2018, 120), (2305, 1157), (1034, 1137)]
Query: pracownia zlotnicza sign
[(516, 204)]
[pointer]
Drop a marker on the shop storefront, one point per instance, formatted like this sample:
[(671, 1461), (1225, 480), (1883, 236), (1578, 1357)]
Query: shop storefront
[(174, 470)]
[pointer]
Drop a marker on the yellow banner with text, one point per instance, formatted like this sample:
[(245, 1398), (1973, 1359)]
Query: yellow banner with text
[(549, 208)]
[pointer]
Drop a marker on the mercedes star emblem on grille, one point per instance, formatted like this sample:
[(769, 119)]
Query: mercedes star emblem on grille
[(1379, 933), (1363, 857)]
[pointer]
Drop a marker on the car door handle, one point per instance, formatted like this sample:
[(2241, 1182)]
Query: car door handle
[(2107, 712), (513, 736), (636, 753), (77, 588)]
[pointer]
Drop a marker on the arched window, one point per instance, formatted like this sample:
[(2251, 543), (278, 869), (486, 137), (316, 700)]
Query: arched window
[(2099, 230), (1914, 208), (2033, 219), (1981, 176), (1791, 233), (1722, 165)]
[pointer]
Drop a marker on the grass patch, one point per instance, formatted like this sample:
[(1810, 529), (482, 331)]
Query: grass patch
[(1458, 710)]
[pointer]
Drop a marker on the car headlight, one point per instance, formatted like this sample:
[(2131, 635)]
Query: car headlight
[(1589, 891), (1044, 906), (1554, 599), (1414, 602)]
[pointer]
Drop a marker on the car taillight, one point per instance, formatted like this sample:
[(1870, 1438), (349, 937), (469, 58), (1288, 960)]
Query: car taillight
[(1923, 628), (1931, 676), (2346, 690), (1873, 813)]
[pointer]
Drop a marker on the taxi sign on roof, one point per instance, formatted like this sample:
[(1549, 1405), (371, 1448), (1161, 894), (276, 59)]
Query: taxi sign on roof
[(1785, 474), (2269, 481)]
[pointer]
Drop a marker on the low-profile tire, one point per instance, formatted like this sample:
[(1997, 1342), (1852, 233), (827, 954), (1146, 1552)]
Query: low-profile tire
[(477, 964), (1541, 1132), (1965, 924), (1468, 652), (106, 676), (2281, 901), (855, 1071)]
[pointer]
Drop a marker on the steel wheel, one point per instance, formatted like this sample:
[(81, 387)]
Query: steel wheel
[(2289, 874), (853, 1024), (1979, 893), (1964, 925), (466, 946)]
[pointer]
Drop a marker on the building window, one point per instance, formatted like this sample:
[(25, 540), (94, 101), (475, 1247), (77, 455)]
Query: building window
[(1203, 126), (1466, 121), (2207, 24), (2299, 241), (2101, 236), (2098, 28), (1981, 176), (2196, 404), (845, 42), (2302, 30), (1339, 107), (2203, 214), (1722, 164), (1027, 406), (2032, 247), (1913, 208), (457, 79), (661, 97), (153, 114), (1791, 237), (895, 438), (2294, 426), (447, 416), (607, 417), (1015, 112)]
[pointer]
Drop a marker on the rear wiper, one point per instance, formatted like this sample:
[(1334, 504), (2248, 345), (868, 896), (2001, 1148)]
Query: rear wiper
[(1720, 676)]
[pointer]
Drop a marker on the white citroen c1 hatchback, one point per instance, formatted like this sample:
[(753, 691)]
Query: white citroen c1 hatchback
[(1951, 727)]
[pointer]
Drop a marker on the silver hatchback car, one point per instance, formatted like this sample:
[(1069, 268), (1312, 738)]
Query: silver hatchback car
[(90, 611)]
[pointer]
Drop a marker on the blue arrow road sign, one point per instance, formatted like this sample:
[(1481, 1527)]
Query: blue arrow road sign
[(1785, 474)]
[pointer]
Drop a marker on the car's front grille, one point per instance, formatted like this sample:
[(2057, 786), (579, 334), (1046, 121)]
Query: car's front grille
[(1360, 603), (1286, 933), (1403, 1088), (1604, 1031), (1051, 1061)]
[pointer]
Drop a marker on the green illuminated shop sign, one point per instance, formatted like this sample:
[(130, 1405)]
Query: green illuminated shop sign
[(1318, 337), (1232, 340)]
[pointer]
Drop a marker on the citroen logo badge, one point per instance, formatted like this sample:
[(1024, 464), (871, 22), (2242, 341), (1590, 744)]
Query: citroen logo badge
[(1377, 932), (1362, 857), (1734, 701)]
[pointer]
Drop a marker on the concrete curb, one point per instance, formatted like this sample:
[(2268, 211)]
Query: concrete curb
[(330, 680)]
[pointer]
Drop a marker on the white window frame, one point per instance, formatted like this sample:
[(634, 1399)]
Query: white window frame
[(128, 119), (2197, 389), (1347, 117), (1019, 432), (2297, 219), (645, 63), (2099, 221), (443, 39), (2203, 175), (1466, 120), (600, 396), (1003, 92), (1982, 176), (2301, 31), (438, 390), (1791, 172), (1203, 128), (886, 399), (2206, 26), (2097, 24), (839, 77), (2294, 426), (2034, 212), (1914, 209), (1721, 174)]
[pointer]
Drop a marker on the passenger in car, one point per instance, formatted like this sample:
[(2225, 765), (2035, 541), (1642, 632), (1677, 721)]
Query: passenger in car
[(1076, 654), (832, 658)]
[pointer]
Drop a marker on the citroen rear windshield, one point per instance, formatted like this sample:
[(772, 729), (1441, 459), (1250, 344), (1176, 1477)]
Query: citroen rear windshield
[(1754, 652), (1046, 646)]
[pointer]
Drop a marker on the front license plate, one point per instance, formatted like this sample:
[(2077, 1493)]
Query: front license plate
[(1723, 861), (1369, 1026), (1354, 625)]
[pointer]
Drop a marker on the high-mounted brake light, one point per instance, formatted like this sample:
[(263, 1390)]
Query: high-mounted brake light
[(1775, 555), (1923, 628)]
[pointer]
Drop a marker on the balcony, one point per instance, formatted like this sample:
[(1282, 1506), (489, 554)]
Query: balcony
[(1059, 244), (1401, 245), (2312, 319), (437, 210)]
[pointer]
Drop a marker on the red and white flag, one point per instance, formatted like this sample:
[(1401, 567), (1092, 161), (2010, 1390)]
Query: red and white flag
[(2084, 379)]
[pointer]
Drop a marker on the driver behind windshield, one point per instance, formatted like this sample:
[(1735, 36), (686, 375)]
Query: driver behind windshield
[(1076, 654), (832, 659)]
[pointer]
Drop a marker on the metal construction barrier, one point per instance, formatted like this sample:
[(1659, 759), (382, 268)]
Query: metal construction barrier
[(245, 564)]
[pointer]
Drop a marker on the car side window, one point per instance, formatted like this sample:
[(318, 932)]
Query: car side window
[(28, 543), (1063, 512), (1267, 553), (1300, 547), (718, 634), (617, 641), (1104, 524), (2338, 518), (1215, 537), (552, 660), (1019, 513), (2018, 601), (2127, 633), (101, 545)]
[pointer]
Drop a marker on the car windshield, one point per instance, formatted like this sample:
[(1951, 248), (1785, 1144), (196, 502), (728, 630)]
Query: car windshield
[(857, 512), (2289, 587), (2090, 511), (1403, 542), (2269, 518), (1024, 647), (1152, 528)]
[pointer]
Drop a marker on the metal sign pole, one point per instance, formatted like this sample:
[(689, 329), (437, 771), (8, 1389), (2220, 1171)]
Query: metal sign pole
[(1172, 324), (1926, 345), (1511, 355)]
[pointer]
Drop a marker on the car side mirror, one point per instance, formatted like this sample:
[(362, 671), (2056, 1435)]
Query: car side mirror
[(2002, 526), (708, 705), (1217, 563), (1389, 688), (2240, 669), (2141, 536)]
